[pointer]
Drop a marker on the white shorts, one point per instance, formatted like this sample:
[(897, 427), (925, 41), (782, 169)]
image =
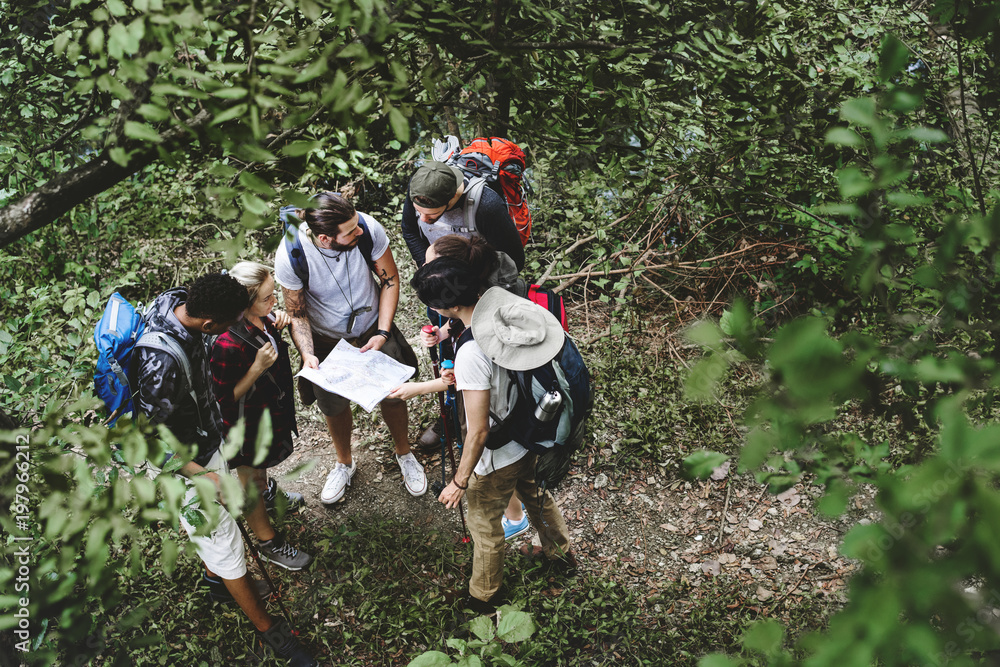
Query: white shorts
[(222, 550)]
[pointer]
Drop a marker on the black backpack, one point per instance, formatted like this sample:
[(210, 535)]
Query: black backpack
[(567, 374)]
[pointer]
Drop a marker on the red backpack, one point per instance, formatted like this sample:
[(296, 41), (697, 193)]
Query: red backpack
[(501, 163)]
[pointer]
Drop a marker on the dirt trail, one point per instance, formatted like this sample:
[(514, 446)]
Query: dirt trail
[(642, 529)]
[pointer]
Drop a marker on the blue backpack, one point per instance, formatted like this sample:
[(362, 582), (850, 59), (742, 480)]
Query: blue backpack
[(120, 330), (293, 243)]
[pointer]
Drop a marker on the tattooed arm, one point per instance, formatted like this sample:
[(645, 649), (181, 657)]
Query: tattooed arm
[(295, 305), (388, 300)]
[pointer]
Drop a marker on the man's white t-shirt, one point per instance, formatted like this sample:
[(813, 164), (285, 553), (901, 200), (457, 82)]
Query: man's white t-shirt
[(339, 282), (475, 371)]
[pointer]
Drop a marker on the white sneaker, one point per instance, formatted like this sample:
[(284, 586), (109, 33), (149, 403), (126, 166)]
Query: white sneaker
[(413, 474), (337, 482)]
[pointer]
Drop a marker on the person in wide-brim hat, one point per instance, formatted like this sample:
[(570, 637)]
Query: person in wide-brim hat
[(515, 333), (508, 333)]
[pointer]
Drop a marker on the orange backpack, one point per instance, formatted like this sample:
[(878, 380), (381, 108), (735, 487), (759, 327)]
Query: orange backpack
[(501, 163)]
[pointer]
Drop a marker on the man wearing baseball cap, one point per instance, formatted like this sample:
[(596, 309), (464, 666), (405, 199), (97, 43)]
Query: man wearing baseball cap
[(442, 200), (509, 333)]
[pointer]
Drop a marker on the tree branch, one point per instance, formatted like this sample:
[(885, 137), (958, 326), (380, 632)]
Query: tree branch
[(62, 193)]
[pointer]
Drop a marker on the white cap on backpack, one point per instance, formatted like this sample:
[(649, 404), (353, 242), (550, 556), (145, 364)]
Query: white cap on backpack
[(515, 333)]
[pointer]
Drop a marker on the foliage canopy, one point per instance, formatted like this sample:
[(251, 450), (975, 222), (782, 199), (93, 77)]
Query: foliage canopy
[(837, 161)]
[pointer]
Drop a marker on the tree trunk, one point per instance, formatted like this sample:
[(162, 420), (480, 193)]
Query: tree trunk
[(43, 205)]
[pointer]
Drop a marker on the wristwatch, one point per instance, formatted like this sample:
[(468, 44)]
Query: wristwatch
[(383, 332)]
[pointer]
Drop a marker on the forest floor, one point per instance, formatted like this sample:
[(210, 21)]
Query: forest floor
[(683, 549), (640, 528), (644, 526)]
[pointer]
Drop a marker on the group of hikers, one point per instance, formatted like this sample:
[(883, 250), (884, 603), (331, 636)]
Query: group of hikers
[(342, 283)]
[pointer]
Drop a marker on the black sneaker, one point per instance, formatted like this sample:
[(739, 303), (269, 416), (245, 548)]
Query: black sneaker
[(217, 591), (471, 608), (481, 607), (270, 495), (283, 554), (286, 646)]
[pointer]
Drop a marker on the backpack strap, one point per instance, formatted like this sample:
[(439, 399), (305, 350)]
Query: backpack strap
[(473, 196), (464, 338), (366, 243), (158, 340), (238, 331), (292, 242)]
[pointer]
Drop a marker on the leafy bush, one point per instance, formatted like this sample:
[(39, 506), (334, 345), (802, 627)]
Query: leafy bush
[(928, 351)]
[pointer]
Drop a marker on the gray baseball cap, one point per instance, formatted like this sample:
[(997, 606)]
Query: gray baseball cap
[(437, 182)]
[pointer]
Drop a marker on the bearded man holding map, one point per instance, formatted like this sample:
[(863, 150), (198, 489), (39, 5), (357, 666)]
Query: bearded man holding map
[(331, 294)]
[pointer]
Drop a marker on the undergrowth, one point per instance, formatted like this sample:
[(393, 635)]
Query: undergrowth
[(382, 593)]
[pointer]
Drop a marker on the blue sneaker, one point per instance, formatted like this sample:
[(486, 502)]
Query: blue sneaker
[(512, 529)]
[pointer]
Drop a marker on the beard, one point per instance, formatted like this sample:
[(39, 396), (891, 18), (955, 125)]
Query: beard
[(341, 247)]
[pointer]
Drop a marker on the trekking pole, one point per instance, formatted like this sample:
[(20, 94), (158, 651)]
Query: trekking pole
[(445, 434), (256, 557), (446, 364)]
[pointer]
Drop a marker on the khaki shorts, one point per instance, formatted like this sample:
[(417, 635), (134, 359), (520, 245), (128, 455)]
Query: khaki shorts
[(396, 347), (222, 550)]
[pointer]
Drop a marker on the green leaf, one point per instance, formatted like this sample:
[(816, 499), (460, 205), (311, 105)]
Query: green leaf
[(719, 660), (141, 132), (257, 184), (764, 637), (902, 99), (702, 462), (95, 40), (168, 558), (117, 7), (311, 10), (120, 156), (264, 435), (231, 93), (222, 170), (230, 114), (726, 322), (756, 450), (893, 57), (300, 148), (924, 134), (153, 113), (482, 627), (863, 543), (703, 379), (842, 136), (318, 68), (834, 502), (905, 199), (234, 439), (254, 204), (400, 126), (853, 182), (431, 659), (515, 626), (860, 111), (706, 334)]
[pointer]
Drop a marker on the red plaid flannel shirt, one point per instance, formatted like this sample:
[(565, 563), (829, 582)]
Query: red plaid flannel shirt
[(231, 360)]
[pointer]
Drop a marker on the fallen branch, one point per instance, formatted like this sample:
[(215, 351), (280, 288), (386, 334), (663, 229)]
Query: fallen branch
[(796, 585), (577, 244)]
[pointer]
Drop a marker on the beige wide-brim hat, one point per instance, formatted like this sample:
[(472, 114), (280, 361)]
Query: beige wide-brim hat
[(515, 333)]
